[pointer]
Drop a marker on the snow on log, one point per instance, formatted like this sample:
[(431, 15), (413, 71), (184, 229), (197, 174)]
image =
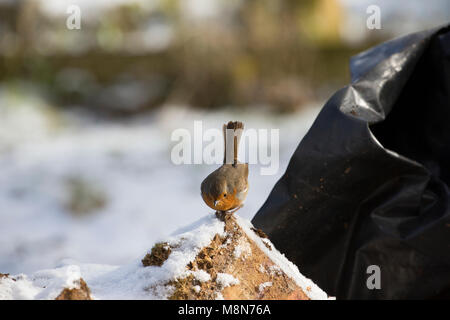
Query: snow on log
[(217, 257)]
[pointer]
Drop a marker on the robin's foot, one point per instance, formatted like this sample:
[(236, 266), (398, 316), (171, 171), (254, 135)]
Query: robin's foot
[(225, 215)]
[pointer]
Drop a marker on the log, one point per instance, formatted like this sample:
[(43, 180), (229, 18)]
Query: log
[(217, 257), (239, 264)]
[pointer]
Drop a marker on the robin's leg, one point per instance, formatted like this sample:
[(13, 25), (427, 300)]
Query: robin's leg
[(224, 215)]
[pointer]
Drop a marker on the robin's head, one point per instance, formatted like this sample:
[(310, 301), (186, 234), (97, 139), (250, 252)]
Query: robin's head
[(215, 193)]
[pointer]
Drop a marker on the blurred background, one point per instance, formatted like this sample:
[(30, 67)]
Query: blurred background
[(87, 115)]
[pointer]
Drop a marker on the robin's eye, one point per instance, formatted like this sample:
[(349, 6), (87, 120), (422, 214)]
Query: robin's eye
[(225, 195)]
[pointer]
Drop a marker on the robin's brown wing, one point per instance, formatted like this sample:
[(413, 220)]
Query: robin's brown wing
[(241, 181)]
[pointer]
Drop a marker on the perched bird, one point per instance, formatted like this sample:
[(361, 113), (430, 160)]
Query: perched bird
[(225, 189)]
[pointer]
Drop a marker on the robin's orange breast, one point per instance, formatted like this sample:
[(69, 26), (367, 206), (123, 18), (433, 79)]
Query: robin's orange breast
[(224, 203)]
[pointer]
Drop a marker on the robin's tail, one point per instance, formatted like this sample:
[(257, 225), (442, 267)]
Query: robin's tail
[(232, 133)]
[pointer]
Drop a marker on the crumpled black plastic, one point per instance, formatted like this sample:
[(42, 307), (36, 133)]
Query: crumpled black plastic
[(368, 184)]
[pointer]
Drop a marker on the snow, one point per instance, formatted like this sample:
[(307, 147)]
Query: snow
[(44, 284), (20, 288), (226, 280), (264, 285), (242, 248), (283, 263), (275, 270), (132, 281), (201, 275), (224, 245)]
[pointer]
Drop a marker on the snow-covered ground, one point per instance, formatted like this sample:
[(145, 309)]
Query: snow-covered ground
[(74, 189)]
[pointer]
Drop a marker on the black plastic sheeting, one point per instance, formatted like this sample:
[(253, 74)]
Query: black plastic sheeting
[(368, 184)]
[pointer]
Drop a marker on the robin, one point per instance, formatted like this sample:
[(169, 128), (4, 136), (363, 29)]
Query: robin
[(225, 189)]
